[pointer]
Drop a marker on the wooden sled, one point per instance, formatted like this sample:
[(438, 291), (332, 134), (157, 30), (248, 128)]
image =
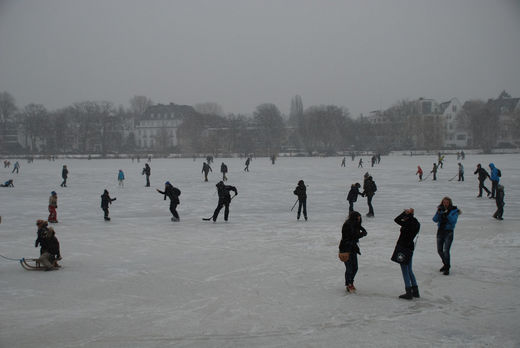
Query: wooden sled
[(34, 265)]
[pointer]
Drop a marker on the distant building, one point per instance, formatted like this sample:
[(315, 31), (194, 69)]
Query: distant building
[(505, 107), (157, 128), (456, 133)]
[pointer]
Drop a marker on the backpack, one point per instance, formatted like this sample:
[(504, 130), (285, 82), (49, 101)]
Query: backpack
[(499, 173)]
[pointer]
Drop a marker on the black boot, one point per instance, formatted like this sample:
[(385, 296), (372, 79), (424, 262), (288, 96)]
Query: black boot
[(408, 295), (415, 291)]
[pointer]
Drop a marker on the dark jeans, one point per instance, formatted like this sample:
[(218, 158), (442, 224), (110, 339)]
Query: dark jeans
[(173, 210), (461, 176), (350, 207), (482, 186), (219, 207), (105, 210), (64, 183), (148, 181), (444, 240), (408, 276), (302, 203), (370, 208), (351, 268), (500, 211)]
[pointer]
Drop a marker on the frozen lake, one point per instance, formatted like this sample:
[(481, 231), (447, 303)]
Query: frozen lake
[(263, 279)]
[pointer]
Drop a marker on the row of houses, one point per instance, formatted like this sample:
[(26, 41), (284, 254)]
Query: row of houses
[(451, 122)]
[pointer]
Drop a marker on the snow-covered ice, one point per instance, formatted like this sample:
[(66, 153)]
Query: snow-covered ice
[(263, 279)]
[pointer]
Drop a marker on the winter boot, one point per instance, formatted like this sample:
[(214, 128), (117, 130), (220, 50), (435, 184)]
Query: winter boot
[(408, 295), (415, 291)]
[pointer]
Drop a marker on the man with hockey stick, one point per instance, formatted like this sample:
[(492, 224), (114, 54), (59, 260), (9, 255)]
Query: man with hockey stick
[(224, 199)]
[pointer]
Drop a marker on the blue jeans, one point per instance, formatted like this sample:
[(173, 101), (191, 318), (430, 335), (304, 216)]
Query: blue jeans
[(444, 240), (408, 276), (351, 268)]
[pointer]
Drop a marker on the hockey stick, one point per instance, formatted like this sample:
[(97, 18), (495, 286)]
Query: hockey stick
[(453, 177), (208, 219), (294, 205), (427, 176)]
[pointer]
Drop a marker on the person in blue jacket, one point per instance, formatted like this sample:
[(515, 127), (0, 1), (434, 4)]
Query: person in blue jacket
[(495, 178), (446, 219), (121, 178)]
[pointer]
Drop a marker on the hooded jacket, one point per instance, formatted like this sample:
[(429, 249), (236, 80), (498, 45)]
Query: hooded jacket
[(446, 219), (409, 229), (494, 173), (223, 192)]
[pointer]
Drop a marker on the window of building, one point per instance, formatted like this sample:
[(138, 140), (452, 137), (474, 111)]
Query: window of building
[(461, 137)]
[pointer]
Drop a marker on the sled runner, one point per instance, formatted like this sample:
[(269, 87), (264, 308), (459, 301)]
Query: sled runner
[(34, 265)]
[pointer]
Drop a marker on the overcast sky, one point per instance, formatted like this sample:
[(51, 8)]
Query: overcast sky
[(361, 54)]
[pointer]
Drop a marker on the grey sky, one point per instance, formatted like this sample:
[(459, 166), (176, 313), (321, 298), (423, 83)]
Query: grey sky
[(363, 54)]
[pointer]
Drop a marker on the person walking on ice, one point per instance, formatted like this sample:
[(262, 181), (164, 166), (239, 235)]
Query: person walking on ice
[(461, 172), (369, 190), (482, 175), (500, 202), (248, 161), (16, 167), (360, 163), (353, 195), (121, 178), (224, 199), (173, 193), (105, 201), (53, 205), (64, 176), (434, 171), (419, 172)]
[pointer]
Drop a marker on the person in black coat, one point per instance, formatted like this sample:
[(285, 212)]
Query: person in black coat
[(50, 251), (224, 170), (224, 199), (500, 202), (64, 176), (41, 234), (351, 232), (105, 201), (409, 229), (173, 193), (147, 171), (482, 176), (301, 192), (369, 190), (206, 169), (352, 196)]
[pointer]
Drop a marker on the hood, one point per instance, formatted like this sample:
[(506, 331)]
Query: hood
[(492, 165)]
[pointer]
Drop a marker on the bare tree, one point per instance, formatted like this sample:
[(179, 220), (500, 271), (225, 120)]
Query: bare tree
[(209, 108), (139, 104), (271, 126)]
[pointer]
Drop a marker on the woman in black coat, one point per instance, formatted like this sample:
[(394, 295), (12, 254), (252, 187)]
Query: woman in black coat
[(351, 232), (409, 229)]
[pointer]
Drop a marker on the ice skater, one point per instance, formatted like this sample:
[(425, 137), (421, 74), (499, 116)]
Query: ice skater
[(224, 199), (105, 201), (360, 163), (53, 205), (223, 170), (500, 202), (369, 190), (206, 169), (461, 172), (353, 195), (495, 178), (121, 178), (419, 172), (173, 193), (301, 192), (16, 167), (434, 171), (248, 161), (343, 164), (482, 176)]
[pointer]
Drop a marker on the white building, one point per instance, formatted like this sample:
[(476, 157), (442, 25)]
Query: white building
[(456, 134)]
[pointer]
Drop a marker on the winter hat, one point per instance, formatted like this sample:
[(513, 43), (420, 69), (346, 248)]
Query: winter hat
[(167, 183), (53, 193)]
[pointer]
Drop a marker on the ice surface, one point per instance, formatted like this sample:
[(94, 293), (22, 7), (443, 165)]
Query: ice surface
[(263, 279)]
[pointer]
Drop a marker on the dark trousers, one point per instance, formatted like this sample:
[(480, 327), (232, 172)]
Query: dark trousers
[(173, 210), (482, 186), (302, 203), (494, 185), (461, 176), (351, 268), (147, 180), (499, 212), (444, 240), (64, 182), (350, 206), (370, 208), (105, 210), (219, 207)]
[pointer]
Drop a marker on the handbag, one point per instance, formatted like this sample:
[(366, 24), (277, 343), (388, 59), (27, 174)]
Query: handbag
[(343, 257), (401, 255)]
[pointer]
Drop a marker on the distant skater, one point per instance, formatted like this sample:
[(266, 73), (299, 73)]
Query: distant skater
[(248, 160), (434, 171), (64, 176), (419, 172), (482, 176), (495, 178), (461, 172), (53, 205), (360, 163), (223, 170), (206, 169), (224, 199), (343, 164), (16, 167), (105, 201), (121, 178), (173, 193), (301, 192), (147, 171)]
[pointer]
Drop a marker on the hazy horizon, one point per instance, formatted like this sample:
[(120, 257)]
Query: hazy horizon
[(363, 55)]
